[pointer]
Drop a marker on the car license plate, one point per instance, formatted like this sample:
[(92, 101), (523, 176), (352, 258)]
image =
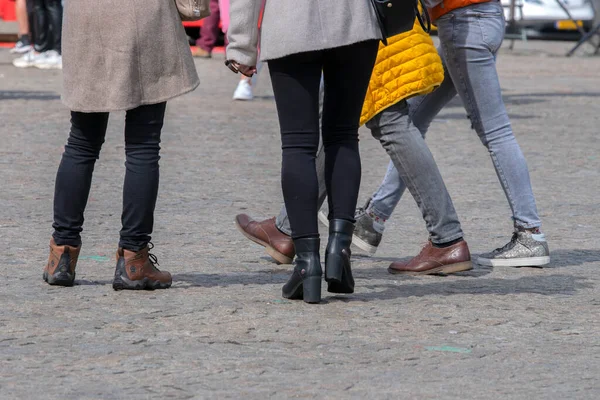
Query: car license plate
[(568, 25)]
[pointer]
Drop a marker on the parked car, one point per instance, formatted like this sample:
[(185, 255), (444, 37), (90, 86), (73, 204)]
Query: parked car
[(547, 16)]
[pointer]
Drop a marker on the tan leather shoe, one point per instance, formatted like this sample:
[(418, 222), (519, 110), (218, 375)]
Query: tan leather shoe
[(137, 271), (60, 268), (435, 260), (278, 245), (199, 52)]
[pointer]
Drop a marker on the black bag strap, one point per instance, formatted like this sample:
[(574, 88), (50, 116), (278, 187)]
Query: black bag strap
[(423, 17)]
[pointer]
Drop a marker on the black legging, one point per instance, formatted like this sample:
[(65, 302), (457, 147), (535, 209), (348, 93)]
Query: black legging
[(295, 80), (143, 126), (46, 28)]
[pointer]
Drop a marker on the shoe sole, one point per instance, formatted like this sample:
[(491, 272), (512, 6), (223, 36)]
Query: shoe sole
[(121, 283), (357, 241), (48, 66), (59, 279), (444, 269), (338, 273), (361, 244), (23, 65), (514, 262), (277, 256), (243, 98)]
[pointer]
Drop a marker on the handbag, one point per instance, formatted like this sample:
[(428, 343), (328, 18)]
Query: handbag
[(193, 10), (398, 16)]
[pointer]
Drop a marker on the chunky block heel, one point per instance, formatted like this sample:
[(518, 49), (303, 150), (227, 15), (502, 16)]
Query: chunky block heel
[(334, 268), (338, 270), (345, 283), (312, 289), (305, 282)]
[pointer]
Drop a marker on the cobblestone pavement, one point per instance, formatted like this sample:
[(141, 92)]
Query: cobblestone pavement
[(223, 330)]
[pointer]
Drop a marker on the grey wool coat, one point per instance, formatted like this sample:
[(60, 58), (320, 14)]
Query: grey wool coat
[(120, 54), (296, 26)]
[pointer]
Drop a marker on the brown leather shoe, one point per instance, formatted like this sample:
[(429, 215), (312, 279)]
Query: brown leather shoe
[(137, 271), (435, 260), (199, 52), (60, 269), (279, 245)]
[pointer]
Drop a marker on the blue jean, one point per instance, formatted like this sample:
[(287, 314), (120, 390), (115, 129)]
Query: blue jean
[(388, 194), (470, 37), (417, 169)]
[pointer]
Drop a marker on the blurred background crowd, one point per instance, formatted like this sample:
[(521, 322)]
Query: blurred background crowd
[(32, 29)]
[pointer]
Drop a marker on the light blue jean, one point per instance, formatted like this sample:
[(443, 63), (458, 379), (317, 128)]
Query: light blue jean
[(417, 169), (470, 37)]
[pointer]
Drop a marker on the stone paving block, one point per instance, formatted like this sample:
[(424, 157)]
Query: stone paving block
[(223, 330)]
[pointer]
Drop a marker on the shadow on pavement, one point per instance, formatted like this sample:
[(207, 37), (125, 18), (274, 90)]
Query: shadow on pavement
[(514, 99), (281, 275), (543, 285), (569, 258), (86, 282), (558, 259), (364, 257), (380, 271), (259, 277), (28, 95)]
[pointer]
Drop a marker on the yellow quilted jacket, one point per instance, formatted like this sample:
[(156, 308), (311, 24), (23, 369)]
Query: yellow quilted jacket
[(408, 66)]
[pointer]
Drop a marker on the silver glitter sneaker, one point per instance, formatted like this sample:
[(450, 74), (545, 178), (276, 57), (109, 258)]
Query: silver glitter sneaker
[(525, 249), (367, 235)]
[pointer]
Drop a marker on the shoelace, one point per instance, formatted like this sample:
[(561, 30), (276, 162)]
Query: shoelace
[(360, 211), (424, 246), (152, 257), (508, 245)]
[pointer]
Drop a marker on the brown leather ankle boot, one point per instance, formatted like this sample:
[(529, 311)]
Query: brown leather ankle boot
[(137, 271), (60, 269)]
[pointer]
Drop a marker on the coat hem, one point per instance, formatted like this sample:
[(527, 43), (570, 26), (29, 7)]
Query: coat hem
[(132, 105), (320, 47)]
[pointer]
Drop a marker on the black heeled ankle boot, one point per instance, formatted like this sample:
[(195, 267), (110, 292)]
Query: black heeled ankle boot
[(338, 273), (305, 282)]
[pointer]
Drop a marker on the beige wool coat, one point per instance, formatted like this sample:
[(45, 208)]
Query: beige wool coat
[(120, 54)]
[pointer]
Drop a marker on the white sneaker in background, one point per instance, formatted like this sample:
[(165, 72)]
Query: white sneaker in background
[(243, 91), (50, 59), (27, 60)]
